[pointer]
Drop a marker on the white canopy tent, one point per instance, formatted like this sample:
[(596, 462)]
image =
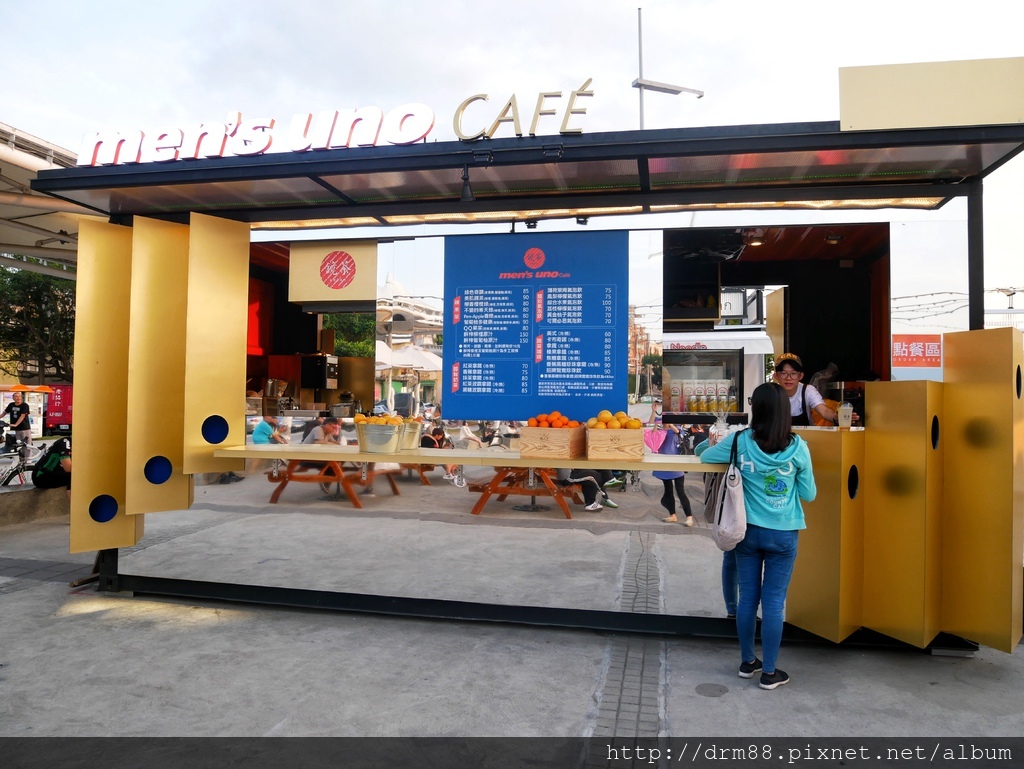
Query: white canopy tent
[(417, 358)]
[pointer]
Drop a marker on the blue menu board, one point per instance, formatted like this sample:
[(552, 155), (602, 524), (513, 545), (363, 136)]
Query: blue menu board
[(535, 323)]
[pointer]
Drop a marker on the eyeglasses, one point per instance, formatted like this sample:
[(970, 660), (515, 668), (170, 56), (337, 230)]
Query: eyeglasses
[(787, 374)]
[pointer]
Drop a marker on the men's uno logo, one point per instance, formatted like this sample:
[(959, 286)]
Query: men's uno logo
[(534, 258), (338, 269)]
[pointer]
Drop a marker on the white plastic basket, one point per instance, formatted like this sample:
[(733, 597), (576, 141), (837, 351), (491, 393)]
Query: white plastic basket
[(379, 439)]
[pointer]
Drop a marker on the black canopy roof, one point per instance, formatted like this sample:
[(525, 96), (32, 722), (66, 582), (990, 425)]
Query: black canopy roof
[(791, 165)]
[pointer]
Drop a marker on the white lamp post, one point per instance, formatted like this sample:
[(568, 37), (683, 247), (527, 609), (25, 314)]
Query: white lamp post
[(653, 85)]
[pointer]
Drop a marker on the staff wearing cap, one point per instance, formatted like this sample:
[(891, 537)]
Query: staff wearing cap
[(789, 371)]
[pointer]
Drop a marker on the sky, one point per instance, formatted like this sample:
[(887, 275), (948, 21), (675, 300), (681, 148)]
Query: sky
[(76, 66)]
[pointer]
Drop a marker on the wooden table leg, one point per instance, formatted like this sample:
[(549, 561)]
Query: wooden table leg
[(292, 464), (556, 492), (514, 479), (491, 488), (346, 484)]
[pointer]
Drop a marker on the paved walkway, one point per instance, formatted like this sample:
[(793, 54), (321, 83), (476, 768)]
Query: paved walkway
[(74, 662)]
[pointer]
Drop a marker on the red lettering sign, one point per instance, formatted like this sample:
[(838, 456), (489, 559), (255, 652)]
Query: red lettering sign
[(338, 269), (917, 350)]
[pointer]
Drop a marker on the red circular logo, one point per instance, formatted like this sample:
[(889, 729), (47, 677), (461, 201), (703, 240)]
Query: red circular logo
[(338, 269), (534, 258)]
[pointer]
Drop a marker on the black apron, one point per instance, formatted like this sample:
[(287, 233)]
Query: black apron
[(802, 419)]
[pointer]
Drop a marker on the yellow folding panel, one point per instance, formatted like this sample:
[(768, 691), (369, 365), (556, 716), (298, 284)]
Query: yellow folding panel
[(156, 357), (216, 317), (983, 504), (903, 510), (103, 293), (826, 593)]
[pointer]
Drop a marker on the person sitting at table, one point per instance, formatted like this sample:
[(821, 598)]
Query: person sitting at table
[(438, 439), (591, 483), (489, 436), (311, 425), (266, 432), (466, 434), (328, 432)]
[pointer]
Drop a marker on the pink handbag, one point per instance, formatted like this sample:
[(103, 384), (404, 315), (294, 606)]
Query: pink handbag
[(654, 437)]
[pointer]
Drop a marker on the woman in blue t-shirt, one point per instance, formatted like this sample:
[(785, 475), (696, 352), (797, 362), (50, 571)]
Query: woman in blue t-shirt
[(776, 469)]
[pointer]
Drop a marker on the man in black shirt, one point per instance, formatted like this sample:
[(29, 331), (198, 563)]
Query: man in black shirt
[(16, 415)]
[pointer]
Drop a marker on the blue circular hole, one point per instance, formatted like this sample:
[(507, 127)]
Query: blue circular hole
[(215, 429), (158, 470), (103, 508)]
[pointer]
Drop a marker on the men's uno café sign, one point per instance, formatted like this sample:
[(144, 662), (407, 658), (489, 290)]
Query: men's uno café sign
[(328, 130)]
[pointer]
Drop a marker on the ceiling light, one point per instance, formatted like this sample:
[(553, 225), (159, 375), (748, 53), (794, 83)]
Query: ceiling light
[(754, 237), (467, 190)]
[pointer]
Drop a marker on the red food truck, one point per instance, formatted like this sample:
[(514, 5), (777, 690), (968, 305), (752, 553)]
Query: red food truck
[(58, 410)]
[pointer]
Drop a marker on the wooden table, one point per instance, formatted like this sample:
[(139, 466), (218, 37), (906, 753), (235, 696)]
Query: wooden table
[(460, 457), (326, 472), (523, 480), (512, 469)]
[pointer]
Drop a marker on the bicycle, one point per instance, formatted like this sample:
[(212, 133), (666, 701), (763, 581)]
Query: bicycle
[(23, 458)]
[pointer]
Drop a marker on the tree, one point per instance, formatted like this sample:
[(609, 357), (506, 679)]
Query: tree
[(354, 333), (37, 324), (655, 362)]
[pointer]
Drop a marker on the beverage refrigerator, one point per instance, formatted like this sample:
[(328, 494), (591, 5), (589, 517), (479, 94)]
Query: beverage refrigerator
[(705, 372)]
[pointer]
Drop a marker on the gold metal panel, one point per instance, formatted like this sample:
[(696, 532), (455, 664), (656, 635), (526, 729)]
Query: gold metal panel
[(216, 317), (156, 358), (946, 93), (356, 375), (903, 510), (103, 295), (826, 592), (332, 271), (983, 503)]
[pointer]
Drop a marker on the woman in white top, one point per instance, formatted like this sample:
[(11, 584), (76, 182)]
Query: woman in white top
[(466, 434), (803, 399)]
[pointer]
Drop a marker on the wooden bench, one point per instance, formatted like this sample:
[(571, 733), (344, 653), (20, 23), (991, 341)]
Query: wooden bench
[(515, 480), (327, 473)]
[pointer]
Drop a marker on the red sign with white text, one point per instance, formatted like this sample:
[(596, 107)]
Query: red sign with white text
[(917, 350)]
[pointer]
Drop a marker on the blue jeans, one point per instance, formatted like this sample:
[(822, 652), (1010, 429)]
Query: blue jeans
[(730, 581), (764, 561)]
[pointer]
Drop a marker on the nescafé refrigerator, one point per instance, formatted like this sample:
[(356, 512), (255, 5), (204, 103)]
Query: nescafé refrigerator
[(702, 380)]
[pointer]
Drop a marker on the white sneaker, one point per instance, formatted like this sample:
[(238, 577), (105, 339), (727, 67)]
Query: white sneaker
[(448, 477), (689, 520), (595, 507)]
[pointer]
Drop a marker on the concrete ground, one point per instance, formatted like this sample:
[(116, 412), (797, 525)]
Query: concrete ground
[(74, 662)]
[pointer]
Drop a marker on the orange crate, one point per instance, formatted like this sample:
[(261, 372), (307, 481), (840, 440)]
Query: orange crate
[(615, 444), (553, 442)]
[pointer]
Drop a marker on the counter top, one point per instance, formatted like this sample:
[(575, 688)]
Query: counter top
[(480, 457)]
